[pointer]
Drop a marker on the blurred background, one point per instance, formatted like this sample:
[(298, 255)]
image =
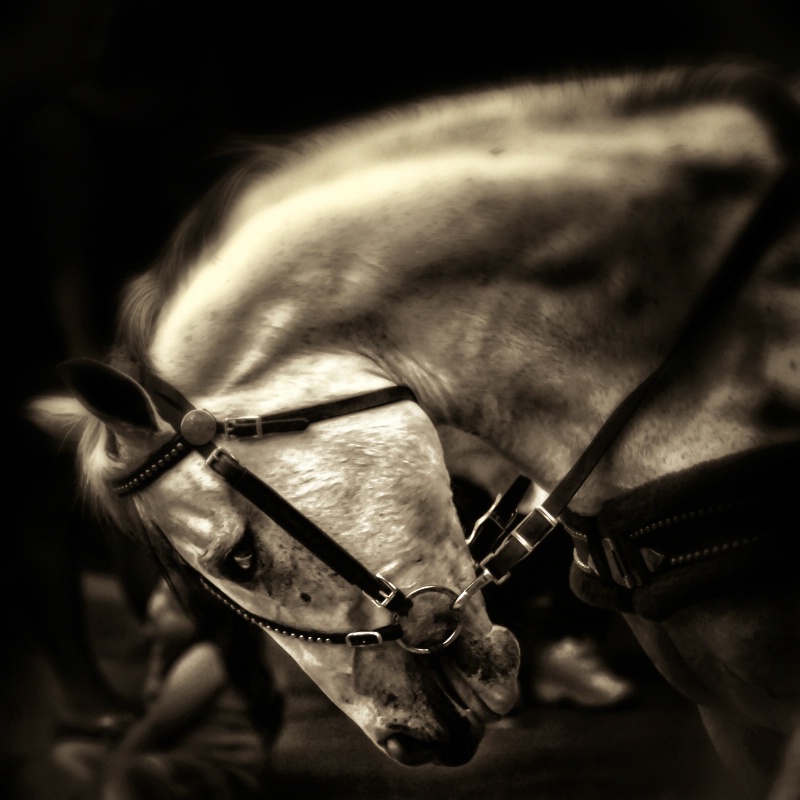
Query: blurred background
[(117, 115)]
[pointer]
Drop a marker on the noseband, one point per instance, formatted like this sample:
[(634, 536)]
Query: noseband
[(515, 536)]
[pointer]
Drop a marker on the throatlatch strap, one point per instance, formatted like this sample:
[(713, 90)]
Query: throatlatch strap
[(779, 208)]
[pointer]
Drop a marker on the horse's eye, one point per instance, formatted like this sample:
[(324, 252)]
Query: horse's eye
[(241, 561)]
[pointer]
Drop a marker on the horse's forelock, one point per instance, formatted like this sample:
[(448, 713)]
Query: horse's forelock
[(97, 470), (143, 299)]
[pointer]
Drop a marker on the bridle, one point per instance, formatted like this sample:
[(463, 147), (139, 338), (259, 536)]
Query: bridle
[(197, 430), (514, 536)]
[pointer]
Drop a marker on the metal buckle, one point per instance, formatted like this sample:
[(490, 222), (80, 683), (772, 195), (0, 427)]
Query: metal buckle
[(482, 581), (485, 576), (553, 521), (481, 521), (388, 595), (363, 639), (216, 454), (230, 423), (616, 564)]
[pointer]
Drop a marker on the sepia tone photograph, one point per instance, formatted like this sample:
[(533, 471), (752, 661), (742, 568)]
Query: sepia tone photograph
[(405, 403)]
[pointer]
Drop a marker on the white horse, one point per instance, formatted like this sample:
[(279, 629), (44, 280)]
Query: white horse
[(520, 258)]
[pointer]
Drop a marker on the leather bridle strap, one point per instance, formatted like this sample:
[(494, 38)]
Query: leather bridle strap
[(367, 638), (357, 638), (248, 427), (312, 537), (175, 408), (778, 209)]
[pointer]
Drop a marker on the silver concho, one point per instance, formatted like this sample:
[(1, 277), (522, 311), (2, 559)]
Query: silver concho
[(199, 426)]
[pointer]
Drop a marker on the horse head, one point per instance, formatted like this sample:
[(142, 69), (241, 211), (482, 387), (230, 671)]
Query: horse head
[(376, 483)]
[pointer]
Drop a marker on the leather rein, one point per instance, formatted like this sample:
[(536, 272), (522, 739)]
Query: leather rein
[(514, 536)]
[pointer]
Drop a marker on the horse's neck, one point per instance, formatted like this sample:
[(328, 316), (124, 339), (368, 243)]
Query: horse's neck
[(535, 369), (522, 289)]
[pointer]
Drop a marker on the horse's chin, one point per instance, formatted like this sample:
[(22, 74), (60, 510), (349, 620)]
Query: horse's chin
[(411, 751)]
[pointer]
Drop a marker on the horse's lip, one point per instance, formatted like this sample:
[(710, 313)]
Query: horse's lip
[(462, 748), (460, 693), (404, 747)]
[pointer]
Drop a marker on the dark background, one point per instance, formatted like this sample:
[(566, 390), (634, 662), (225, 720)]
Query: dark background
[(117, 114)]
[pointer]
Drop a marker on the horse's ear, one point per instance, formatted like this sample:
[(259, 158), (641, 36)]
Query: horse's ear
[(59, 416), (110, 395)]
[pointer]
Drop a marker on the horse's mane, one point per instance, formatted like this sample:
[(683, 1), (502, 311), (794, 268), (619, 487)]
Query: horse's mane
[(758, 86), (754, 85), (145, 294)]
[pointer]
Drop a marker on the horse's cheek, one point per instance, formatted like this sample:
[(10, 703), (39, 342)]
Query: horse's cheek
[(380, 677), (662, 651)]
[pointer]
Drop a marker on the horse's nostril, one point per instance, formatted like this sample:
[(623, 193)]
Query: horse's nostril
[(407, 750)]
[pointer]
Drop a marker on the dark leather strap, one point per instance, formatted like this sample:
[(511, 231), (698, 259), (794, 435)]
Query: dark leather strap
[(158, 462), (246, 427), (724, 525), (777, 211), (307, 533), (357, 638), (366, 638)]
